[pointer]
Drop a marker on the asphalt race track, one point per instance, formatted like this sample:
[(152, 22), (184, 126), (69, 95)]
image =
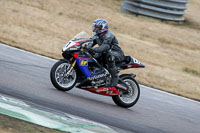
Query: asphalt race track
[(26, 76)]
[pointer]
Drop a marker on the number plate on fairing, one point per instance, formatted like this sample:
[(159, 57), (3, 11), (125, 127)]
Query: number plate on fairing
[(68, 45)]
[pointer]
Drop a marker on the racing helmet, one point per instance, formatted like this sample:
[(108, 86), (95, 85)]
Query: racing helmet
[(99, 26)]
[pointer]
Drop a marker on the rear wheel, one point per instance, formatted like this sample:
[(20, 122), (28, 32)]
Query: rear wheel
[(61, 77), (130, 99)]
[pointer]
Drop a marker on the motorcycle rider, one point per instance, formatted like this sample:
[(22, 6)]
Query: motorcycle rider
[(108, 46)]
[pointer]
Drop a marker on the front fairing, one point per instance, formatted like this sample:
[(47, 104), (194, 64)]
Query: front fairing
[(71, 45), (76, 42)]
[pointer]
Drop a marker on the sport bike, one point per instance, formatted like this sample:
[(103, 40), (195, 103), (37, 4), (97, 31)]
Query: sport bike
[(81, 69)]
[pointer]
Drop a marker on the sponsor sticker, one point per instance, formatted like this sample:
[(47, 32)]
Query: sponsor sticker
[(83, 62)]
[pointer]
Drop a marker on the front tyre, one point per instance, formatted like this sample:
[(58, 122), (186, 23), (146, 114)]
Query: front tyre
[(61, 78), (130, 99)]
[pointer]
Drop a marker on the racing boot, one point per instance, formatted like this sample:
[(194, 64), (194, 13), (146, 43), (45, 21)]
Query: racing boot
[(114, 76), (125, 88), (115, 80)]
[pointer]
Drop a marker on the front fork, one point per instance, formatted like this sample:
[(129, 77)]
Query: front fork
[(70, 67)]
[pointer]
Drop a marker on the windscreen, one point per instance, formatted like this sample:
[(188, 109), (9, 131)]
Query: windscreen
[(81, 35)]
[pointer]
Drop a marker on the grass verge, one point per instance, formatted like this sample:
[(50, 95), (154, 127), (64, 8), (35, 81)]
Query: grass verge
[(13, 125)]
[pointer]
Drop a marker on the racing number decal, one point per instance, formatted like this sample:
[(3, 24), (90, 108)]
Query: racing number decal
[(70, 43), (136, 61)]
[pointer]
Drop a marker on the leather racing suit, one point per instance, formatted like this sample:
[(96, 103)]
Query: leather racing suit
[(109, 47)]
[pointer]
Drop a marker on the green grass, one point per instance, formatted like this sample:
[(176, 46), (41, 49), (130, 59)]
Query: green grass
[(13, 125), (191, 71)]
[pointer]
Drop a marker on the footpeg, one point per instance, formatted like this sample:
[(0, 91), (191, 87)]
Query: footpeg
[(124, 89)]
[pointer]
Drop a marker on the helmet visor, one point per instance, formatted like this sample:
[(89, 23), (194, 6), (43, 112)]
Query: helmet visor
[(95, 29)]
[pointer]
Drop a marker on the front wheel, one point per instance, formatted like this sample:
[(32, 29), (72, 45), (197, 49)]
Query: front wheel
[(130, 99), (61, 77)]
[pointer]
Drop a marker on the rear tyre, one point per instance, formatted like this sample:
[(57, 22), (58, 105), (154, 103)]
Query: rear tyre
[(130, 99), (59, 77)]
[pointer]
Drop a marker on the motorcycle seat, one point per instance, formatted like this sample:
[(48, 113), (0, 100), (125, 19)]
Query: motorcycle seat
[(126, 60)]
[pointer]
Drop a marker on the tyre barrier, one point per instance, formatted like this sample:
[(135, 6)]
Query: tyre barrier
[(172, 10)]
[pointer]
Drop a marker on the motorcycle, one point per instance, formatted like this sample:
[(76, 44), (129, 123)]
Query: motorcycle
[(80, 69)]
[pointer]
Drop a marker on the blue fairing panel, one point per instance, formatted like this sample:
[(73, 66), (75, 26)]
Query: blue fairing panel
[(83, 65)]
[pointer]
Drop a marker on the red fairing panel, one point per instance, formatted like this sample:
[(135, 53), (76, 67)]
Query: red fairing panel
[(107, 91), (75, 44), (135, 66)]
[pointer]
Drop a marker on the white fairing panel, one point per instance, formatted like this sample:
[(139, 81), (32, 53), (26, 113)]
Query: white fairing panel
[(136, 61), (68, 45)]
